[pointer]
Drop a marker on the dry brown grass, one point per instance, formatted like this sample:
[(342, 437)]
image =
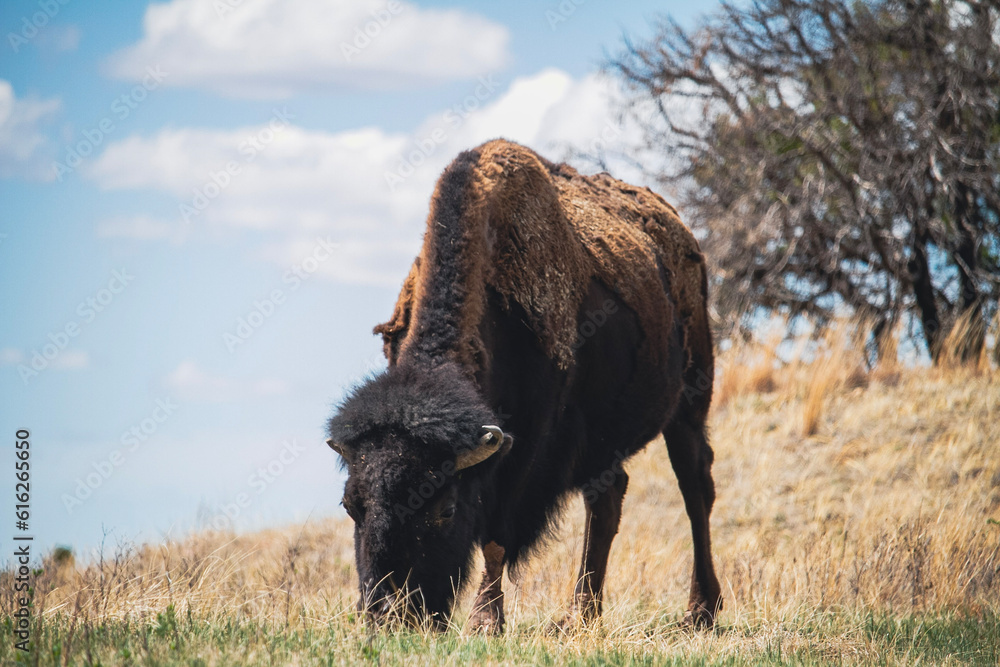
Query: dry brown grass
[(836, 493), (749, 366), (969, 328), (811, 368)]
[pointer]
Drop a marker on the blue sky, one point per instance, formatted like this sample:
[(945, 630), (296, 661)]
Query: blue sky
[(207, 206)]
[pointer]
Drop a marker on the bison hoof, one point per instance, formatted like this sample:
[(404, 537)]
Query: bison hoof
[(567, 625), (699, 618), (577, 619), (488, 621)]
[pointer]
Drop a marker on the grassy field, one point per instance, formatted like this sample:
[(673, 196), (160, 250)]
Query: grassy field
[(857, 522)]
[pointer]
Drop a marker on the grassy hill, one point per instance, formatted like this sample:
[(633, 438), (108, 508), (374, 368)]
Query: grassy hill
[(857, 521)]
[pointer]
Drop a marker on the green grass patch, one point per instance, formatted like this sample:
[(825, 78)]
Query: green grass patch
[(170, 638)]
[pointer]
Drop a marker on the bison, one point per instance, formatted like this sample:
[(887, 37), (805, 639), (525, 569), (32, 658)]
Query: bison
[(552, 325)]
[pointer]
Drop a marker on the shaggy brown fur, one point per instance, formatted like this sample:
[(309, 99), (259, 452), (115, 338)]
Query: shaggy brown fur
[(540, 231), (508, 308)]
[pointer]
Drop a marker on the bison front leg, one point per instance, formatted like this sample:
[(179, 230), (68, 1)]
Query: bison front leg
[(604, 512), (487, 614)]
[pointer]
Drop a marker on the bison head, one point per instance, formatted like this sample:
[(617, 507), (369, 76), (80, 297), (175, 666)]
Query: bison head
[(419, 445)]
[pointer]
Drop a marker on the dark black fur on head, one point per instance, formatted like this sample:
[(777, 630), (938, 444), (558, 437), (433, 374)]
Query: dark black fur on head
[(416, 518), (438, 406)]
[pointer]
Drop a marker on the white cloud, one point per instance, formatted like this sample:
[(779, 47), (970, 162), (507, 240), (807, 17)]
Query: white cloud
[(65, 360), (25, 151), (71, 360), (189, 382), (141, 228), (366, 188), (312, 169), (10, 356), (274, 48), (55, 39)]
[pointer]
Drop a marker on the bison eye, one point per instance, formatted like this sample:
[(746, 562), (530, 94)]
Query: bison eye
[(448, 511)]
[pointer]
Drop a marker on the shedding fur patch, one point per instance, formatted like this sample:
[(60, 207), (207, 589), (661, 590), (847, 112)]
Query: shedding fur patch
[(537, 232)]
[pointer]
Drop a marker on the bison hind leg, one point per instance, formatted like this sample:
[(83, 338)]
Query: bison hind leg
[(691, 457)]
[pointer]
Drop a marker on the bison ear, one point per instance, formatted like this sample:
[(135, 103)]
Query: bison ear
[(490, 443), (339, 448)]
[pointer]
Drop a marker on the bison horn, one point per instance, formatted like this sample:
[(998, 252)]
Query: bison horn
[(489, 444), (336, 447)]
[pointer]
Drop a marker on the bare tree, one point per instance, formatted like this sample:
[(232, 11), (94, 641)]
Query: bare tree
[(844, 156)]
